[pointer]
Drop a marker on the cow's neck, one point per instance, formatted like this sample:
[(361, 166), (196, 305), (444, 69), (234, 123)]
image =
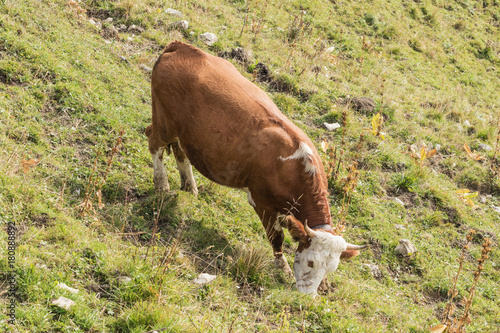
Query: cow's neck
[(315, 209)]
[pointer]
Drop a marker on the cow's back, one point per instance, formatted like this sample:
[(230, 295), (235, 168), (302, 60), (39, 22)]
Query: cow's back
[(225, 123)]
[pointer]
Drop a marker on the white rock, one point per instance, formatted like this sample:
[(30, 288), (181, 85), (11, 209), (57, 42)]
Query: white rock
[(122, 27), (405, 248), (331, 127), (65, 287), (400, 227), (482, 199), (146, 68), (173, 12), (181, 24), (399, 201), (330, 49), (91, 21), (204, 278), (484, 147), (208, 38), (124, 280), (438, 147), (63, 303), (375, 270), (108, 20), (467, 124), (495, 208)]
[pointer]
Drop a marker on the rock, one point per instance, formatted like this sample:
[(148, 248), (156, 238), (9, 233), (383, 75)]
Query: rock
[(204, 278), (495, 208), (91, 21), (135, 29), (467, 124), (122, 58), (331, 127), (65, 287), (484, 147), (208, 38), (239, 54), (63, 303), (146, 68), (184, 25), (400, 227), (399, 201), (438, 147), (405, 248), (173, 12), (375, 270), (330, 49), (110, 32), (122, 27), (108, 20), (263, 73), (482, 199), (361, 104), (124, 280)]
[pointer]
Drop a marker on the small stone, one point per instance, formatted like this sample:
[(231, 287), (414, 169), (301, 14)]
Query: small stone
[(108, 20), (399, 201), (146, 68), (400, 227), (142, 256), (438, 147), (122, 58), (208, 38), (43, 243), (122, 27), (482, 199), (91, 21), (331, 127), (173, 12), (65, 287), (467, 124), (204, 278), (124, 280), (135, 29), (130, 39), (184, 25), (484, 147), (330, 49), (63, 303), (374, 270), (405, 248), (110, 32), (495, 208)]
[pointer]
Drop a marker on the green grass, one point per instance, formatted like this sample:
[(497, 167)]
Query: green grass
[(66, 93)]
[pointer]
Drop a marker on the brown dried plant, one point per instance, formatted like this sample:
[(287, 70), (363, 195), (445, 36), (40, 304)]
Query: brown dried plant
[(349, 186), (95, 183), (454, 324)]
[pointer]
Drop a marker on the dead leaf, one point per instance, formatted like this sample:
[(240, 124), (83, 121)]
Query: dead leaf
[(27, 164), (472, 155), (325, 145), (438, 329), (99, 199)]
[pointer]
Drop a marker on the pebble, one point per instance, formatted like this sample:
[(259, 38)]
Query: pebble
[(124, 280), (208, 38), (63, 303), (65, 287), (204, 278), (375, 270), (331, 127), (173, 12), (399, 201), (405, 248), (184, 25)]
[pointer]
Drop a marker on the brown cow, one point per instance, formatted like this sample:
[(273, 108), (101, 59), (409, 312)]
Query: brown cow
[(217, 120)]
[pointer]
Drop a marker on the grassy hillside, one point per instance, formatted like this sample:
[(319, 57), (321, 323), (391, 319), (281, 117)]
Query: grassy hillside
[(71, 91)]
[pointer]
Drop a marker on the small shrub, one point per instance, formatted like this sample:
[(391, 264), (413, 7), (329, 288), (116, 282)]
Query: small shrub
[(415, 45), (250, 265), (459, 25)]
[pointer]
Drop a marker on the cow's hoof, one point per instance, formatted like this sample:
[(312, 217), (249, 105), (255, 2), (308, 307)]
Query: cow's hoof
[(190, 189), (282, 264)]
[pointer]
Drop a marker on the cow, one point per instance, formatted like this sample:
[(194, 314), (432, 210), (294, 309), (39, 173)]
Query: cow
[(213, 118)]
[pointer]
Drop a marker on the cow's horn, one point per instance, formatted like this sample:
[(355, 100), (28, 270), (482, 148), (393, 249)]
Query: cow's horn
[(311, 233), (355, 247)]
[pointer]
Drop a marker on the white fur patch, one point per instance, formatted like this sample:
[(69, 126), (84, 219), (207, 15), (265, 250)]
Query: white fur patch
[(320, 258), (249, 196), (305, 153)]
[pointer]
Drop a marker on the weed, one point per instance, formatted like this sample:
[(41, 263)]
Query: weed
[(419, 158)]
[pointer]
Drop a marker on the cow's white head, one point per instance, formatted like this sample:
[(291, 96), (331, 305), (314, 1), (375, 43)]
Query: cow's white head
[(318, 254)]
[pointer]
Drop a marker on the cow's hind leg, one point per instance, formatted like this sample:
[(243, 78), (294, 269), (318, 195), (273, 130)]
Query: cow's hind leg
[(188, 183)]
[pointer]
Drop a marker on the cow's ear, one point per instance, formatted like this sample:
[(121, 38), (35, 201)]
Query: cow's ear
[(296, 229), (348, 254)]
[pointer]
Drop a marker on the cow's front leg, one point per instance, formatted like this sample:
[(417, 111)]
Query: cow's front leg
[(276, 237), (160, 176), (281, 263)]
